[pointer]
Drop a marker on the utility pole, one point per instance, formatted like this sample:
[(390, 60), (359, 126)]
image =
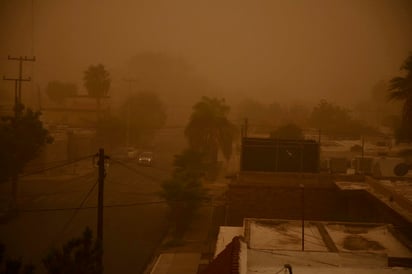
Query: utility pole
[(302, 188), (17, 96), (100, 206), (17, 110), (319, 148), (21, 59), (246, 126)]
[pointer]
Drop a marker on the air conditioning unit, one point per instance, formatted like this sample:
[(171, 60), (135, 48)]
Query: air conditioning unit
[(390, 167)]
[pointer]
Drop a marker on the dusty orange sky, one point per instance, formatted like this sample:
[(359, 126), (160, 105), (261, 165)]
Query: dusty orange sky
[(270, 49)]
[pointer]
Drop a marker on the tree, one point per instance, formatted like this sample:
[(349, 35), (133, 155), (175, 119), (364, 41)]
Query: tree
[(288, 131), (13, 266), (79, 255), (260, 116), (144, 113), (253, 110), (337, 122), (376, 110), (184, 192), (328, 116), (59, 91), (209, 129), (401, 89), (97, 82), (297, 113), (172, 77), (21, 139)]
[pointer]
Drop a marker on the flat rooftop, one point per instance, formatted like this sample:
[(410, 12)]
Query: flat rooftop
[(344, 247), (395, 193)]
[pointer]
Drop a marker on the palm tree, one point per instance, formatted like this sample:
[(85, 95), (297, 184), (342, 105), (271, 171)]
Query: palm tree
[(401, 89), (97, 82), (209, 129)]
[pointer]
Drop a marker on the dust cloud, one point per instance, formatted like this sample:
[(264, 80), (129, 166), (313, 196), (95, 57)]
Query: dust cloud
[(268, 50)]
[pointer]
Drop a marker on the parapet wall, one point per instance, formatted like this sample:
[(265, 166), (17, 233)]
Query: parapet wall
[(293, 179), (280, 196)]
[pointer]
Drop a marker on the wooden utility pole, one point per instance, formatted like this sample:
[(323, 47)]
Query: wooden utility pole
[(17, 110), (21, 59), (17, 96), (302, 188), (246, 127), (100, 206)]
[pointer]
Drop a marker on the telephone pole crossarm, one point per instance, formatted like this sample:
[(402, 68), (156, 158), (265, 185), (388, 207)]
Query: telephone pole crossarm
[(17, 95), (18, 81)]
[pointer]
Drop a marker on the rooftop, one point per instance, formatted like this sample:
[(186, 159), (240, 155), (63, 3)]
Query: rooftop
[(266, 246)]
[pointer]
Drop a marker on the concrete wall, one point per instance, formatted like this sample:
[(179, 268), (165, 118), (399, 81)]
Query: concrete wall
[(281, 198)]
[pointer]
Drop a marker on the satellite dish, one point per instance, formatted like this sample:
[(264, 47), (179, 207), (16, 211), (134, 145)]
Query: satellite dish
[(401, 169)]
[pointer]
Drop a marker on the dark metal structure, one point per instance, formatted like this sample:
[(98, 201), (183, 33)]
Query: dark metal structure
[(279, 155)]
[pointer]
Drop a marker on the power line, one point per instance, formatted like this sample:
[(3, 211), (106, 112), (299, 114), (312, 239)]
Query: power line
[(57, 166), (151, 167), (137, 172), (86, 179), (50, 164), (77, 208), (68, 162), (120, 205)]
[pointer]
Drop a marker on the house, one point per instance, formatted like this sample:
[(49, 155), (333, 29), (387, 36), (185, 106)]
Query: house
[(73, 128), (77, 112)]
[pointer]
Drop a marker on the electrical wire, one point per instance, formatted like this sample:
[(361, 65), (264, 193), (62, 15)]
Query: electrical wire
[(131, 184), (137, 172), (48, 163), (57, 166), (91, 207), (105, 206), (78, 208), (85, 178), (36, 210), (151, 167)]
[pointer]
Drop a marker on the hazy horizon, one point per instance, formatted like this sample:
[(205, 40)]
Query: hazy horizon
[(267, 50)]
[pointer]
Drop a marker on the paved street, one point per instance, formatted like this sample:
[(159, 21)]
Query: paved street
[(134, 220)]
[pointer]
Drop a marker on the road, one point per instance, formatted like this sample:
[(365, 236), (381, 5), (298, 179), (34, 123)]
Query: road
[(134, 219)]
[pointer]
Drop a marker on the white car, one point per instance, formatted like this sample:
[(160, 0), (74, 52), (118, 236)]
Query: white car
[(145, 158)]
